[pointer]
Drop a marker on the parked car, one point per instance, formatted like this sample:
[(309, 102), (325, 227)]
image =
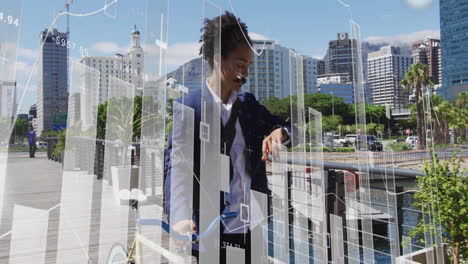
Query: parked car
[(41, 144), (341, 142), (369, 142), (351, 138)]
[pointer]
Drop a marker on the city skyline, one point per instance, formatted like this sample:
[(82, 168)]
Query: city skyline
[(183, 44)]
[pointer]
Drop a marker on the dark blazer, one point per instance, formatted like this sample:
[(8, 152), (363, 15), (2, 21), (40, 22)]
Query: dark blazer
[(256, 122)]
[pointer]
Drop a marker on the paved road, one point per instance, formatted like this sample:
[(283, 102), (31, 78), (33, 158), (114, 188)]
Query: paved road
[(384, 158)]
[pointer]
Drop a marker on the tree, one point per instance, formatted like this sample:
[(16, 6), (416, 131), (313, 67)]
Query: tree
[(376, 114), (21, 127), (280, 107), (48, 133), (460, 116), (443, 194), (375, 129), (137, 120), (121, 123), (101, 120), (324, 103), (331, 123), (417, 78), (442, 116)]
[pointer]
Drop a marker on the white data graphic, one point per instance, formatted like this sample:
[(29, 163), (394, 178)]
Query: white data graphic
[(163, 131)]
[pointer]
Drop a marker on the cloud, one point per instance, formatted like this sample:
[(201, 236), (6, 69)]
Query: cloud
[(27, 53), (418, 4), (108, 47), (177, 53), (180, 53), (256, 36), (23, 67), (403, 38), (23, 72)]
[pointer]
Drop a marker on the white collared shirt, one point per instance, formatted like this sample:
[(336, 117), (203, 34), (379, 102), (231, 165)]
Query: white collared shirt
[(240, 184)]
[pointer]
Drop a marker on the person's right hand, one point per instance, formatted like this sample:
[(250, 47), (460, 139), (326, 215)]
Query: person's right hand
[(184, 227)]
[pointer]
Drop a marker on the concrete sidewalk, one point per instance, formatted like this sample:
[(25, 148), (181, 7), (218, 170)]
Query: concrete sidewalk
[(53, 216)]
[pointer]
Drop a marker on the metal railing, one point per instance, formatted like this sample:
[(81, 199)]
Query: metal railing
[(335, 203), (97, 163), (396, 158), (334, 172)]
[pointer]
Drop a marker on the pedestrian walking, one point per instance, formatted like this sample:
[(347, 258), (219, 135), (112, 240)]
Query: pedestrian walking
[(32, 139)]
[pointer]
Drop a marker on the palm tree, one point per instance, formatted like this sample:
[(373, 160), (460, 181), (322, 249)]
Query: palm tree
[(442, 116), (417, 78), (460, 121), (121, 124)]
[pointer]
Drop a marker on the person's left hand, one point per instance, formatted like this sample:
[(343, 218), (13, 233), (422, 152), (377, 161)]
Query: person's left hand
[(277, 137)]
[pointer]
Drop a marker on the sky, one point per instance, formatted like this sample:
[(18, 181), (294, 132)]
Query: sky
[(304, 25)]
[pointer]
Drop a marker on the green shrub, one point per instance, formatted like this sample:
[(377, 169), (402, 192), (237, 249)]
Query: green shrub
[(443, 195), (60, 146), (398, 146), (344, 149), (310, 149), (22, 149)]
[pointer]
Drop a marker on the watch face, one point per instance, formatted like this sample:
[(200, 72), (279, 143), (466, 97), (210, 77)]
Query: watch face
[(342, 36)]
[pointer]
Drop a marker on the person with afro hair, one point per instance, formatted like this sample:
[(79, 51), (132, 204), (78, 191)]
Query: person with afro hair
[(248, 133)]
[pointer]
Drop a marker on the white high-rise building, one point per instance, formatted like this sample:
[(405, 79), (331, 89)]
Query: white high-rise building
[(272, 73), (386, 69), (7, 99), (310, 74), (128, 67)]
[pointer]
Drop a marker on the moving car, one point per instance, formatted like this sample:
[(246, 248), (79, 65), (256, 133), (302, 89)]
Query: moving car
[(412, 140), (369, 142)]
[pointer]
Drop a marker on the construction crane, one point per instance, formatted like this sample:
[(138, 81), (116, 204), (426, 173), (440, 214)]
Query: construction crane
[(67, 7)]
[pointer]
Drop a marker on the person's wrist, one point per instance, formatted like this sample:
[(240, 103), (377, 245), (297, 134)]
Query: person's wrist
[(285, 134)]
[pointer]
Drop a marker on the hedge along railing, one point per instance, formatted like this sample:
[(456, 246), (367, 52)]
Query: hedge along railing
[(335, 178), (87, 163), (51, 142)]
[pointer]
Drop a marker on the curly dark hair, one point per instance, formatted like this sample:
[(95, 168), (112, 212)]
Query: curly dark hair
[(232, 35)]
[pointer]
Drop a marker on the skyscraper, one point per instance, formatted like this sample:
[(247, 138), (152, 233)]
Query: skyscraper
[(52, 92), (32, 114), (386, 69), (341, 55), (275, 71), (320, 67), (454, 37), (309, 74), (428, 52)]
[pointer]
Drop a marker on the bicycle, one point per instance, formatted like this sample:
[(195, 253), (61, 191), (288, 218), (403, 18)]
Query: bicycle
[(118, 253)]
